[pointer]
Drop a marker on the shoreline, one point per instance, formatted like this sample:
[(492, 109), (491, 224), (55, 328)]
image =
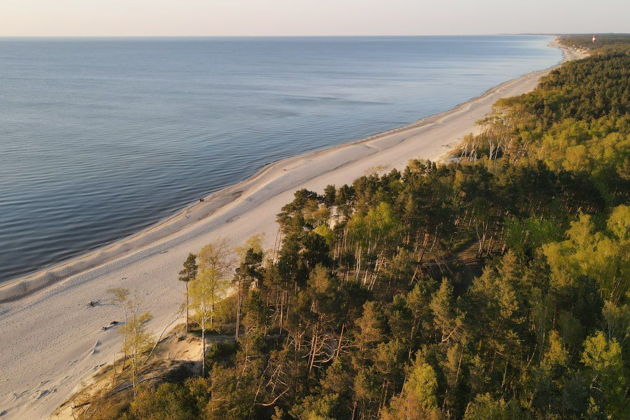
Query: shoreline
[(24, 286), (52, 340)]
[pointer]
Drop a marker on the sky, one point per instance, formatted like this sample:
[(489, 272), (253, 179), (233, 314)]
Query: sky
[(308, 17)]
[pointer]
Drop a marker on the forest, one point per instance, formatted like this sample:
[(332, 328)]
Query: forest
[(601, 40), (492, 286)]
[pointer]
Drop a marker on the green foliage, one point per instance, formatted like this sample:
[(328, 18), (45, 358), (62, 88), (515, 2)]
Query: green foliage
[(484, 407), (599, 255), (421, 384), (601, 40), (609, 384), (189, 271), (418, 397), (377, 226), (167, 402), (445, 314), (205, 293), (495, 287), (523, 236), (576, 120), (187, 274), (316, 408)]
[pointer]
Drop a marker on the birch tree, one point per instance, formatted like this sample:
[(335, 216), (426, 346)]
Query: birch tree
[(136, 340), (205, 293)]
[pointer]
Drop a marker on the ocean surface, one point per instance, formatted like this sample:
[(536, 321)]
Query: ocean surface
[(100, 138)]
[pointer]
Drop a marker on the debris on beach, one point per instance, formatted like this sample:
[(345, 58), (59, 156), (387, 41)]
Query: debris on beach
[(110, 325)]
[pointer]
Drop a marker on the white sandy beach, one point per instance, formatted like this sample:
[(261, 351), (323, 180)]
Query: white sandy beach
[(51, 340)]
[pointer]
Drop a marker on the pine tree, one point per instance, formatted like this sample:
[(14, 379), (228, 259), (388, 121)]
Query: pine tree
[(446, 318), (188, 273)]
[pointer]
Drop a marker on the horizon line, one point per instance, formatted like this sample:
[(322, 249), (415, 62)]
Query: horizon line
[(311, 36)]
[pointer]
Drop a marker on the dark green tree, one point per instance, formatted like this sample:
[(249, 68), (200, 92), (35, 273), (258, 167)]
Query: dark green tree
[(188, 274)]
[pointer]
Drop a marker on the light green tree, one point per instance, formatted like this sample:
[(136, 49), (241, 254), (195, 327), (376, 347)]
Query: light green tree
[(418, 398), (603, 256), (609, 384), (378, 226), (136, 340), (205, 292), (217, 256), (484, 407)]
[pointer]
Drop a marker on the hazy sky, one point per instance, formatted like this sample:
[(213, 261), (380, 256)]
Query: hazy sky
[(308, 17)]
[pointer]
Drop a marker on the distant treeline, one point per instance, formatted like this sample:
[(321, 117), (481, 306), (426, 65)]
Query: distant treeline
[(496, 286), (601, 40)]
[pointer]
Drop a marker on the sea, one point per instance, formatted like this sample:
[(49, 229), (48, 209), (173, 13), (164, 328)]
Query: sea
[(102, 137)]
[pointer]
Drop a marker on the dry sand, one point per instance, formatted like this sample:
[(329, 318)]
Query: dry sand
[(51, 340)]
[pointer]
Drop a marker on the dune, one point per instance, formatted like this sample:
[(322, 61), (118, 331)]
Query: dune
[(48, 331)]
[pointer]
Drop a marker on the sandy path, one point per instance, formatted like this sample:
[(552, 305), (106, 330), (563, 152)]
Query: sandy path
[(50, 340)]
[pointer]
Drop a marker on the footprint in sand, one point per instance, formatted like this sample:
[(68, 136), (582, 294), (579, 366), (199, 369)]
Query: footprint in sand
[(43, 393), (94, 350), (17, 396)]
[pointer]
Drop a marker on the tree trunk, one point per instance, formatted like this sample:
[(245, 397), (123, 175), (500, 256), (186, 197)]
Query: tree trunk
[(281, 311), (203, 346), (133, 374), (312, 352), (238, 310), (186, 307), (343, 327), (212, 311)]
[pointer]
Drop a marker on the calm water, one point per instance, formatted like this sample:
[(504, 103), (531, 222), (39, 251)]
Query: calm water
[(100, 138)]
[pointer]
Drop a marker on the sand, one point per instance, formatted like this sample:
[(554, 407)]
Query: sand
[(51, 340)]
